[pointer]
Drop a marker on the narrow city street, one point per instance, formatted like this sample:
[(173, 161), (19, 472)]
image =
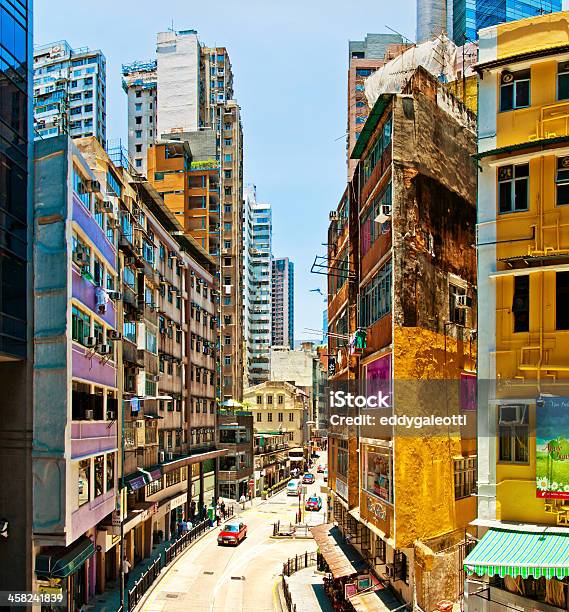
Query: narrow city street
[(212, 578)]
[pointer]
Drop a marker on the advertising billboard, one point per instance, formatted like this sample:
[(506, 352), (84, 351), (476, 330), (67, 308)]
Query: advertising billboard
[(552, 448)]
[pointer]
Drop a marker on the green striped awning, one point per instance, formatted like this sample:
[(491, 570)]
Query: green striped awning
[(520, 553)]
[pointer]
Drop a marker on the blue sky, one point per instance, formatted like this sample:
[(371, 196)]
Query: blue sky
[(290, 63)]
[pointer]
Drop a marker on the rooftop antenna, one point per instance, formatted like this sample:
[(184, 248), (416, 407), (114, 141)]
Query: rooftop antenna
[(171, 28)]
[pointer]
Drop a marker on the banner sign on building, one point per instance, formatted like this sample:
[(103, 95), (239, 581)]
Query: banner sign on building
[(378, 379), (552, 448)]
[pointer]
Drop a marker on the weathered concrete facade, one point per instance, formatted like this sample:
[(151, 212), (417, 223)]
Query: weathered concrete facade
[(411, 244)]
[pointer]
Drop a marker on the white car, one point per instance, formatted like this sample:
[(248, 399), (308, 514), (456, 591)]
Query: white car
[(293, 487)]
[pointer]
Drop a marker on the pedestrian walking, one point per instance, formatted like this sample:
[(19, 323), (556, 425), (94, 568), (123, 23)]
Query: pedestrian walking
[(218, 516), (125, 570), (242, 500), (192, 511), (222, 508)]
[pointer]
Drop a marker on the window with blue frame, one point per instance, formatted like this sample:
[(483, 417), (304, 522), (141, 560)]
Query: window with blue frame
[(80, 188), (129, 331), (126, 225), (129, 277), (113, 184), (151, 345), (381, 145), (363, 72), (375, 300), (148, 252)]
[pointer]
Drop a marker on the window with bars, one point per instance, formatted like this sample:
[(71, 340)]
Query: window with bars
[(375, 300), (464, 477)]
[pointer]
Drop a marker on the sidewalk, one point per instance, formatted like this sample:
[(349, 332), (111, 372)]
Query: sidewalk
[(110, 600), (306, 588)]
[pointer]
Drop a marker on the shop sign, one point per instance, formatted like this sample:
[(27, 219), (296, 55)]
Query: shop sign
[(342, 488), (178, 501), (378, 510), (552, 448)]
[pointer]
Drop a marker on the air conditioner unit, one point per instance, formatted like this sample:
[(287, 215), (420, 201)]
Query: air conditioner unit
[(90, 341), (334, 215), (107, 206), (512, 414), (384, 213), (93, 186), (114, 295), (104, 349), (139, 424), (111, 415), (170, 456), (113, 335), (227, 289), (89, 415), (161, 456)]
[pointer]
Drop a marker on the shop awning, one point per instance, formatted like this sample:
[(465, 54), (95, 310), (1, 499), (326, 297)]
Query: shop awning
[(137, 480), (519, 553), (66, 561), (380, 600), (342, 558)]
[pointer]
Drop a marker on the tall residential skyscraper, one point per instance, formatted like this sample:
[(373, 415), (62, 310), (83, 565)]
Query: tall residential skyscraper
[(139, 83), (460, 18), (196, 119), (365, 57), (69, 92), (282, 288), (15, 295), (257, 276)]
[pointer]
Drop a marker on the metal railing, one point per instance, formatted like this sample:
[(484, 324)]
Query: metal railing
[(290, 606), (143, 583), (185, 540), (300, 562)]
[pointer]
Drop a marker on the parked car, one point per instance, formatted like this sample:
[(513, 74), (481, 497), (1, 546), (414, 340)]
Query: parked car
[(325, 475), (308, 478), (320, 469), (313, 503), (293, 487), (232, 533)]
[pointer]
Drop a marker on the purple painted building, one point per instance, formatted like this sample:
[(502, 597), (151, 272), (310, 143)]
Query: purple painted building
[(75, 369)]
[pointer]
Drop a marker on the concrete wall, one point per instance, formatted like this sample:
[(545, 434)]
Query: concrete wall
[(178, 82)]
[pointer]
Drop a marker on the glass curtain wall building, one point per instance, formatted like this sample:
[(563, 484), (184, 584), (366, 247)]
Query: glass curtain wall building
[(460, 18), (15, 296), (469, 16)]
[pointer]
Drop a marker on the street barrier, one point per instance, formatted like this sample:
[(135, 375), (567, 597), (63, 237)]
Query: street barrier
[(300, 562), (288, 599)]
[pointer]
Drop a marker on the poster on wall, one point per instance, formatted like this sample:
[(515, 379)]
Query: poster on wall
[(378, 379), (377, 478), (467, 391), (552, 448)]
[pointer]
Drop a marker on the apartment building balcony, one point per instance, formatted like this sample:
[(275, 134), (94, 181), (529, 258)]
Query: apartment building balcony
[(93, 437), (131, 354)]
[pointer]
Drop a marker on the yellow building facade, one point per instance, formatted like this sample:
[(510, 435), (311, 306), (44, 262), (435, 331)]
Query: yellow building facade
[(523, 290)]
